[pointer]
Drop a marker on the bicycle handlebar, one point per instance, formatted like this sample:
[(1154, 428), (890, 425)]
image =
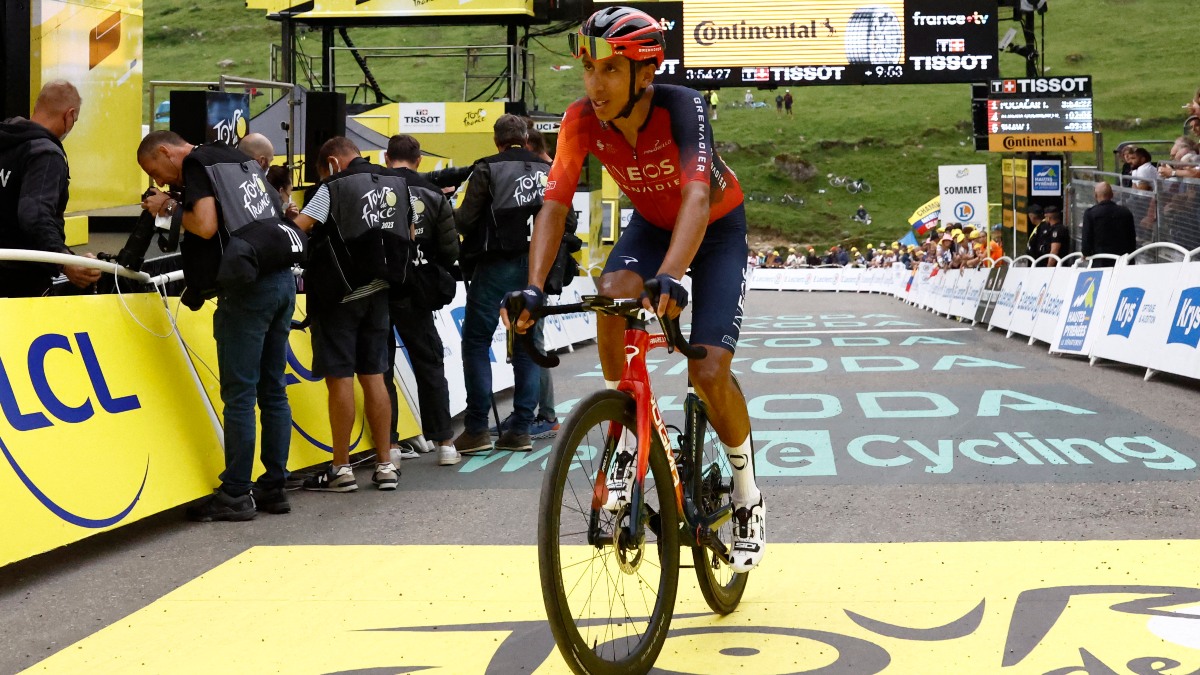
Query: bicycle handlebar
[(629, 308)]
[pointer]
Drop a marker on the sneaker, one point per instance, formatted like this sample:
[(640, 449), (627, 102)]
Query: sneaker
[(448, 456), (543, 428), (221, 506), (403, 451), (502, 427), (620, 481), (271, 500), (334, 479), (749, 536), (514, 442), (386, 476), (468, 442)]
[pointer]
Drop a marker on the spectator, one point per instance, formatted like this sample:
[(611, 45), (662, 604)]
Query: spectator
[(1107, 227), (749, 99), (1033, 246), (792, 260), (1141, 170), (437, 242), (1127, 159), (778, 105), (254, 310), (350, 322), (861, 215), (1057, 240), (811, 259), (787, 102), (713, 102), (258, 148), (1192, 126), (995, 248), (33, 192), (494, 221), (1180, 166), (280, 178)]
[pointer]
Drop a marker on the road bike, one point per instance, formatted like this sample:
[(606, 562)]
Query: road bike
[(610, 567), (853, 186), (792, 200)]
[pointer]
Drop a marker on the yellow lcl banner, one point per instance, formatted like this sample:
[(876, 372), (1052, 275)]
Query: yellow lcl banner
[(103, 422)]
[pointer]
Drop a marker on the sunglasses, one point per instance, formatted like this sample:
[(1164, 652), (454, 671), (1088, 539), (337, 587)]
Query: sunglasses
[(598, 48)]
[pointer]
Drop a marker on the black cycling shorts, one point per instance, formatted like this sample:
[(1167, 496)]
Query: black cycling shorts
[(718, 272)]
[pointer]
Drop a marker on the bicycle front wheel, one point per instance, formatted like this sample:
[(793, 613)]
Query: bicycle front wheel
[(712, 483), (608, 600)]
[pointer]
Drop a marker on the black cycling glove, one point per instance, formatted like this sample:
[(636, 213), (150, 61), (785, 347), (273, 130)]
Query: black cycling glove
[(531, 298), (665, 284)]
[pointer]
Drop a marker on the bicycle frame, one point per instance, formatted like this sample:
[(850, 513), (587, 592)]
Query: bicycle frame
[(635, 380)]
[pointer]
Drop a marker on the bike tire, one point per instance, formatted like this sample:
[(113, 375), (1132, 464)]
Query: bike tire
[(866, 188), (853, 187), (721, 587), (592, 645)]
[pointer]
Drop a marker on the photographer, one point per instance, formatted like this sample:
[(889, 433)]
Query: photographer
[(235, 247)]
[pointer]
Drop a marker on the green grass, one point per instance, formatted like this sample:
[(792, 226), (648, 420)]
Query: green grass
[(1137, 51)]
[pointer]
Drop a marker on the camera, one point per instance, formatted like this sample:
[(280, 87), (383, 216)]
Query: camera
[(133, 255)]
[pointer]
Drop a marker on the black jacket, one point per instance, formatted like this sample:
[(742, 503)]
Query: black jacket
[(34, 183), (434, 225), (1108, 228), (494, 221)]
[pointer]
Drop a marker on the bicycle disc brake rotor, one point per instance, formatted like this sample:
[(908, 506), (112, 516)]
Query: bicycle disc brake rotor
[(629, 554)]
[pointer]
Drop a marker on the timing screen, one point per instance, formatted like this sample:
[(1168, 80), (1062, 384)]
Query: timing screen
[(728, 43)]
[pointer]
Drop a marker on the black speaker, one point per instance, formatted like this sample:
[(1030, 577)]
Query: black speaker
[(15, 21), (189, 115), (979, 114), (324, 118)]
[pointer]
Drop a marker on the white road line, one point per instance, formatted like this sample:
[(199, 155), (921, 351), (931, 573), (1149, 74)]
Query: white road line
[(856, 330)]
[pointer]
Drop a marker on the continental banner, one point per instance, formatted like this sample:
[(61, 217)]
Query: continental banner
[(307, 394), (101, 423)]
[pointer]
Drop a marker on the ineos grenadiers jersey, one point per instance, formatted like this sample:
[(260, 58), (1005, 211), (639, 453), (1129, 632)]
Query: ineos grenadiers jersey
[(674, 147)]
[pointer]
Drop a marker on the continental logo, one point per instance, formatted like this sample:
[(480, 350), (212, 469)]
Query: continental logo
[(24, 416), (709, 33), (1024, 142)]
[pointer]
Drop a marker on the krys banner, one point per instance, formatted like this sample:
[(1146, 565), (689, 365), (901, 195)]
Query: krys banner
[(101, 423)]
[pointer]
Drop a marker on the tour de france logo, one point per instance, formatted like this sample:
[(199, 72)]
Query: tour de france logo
[(379, 208), (530, 188), (873, 35), (254, 197), (231, 130)]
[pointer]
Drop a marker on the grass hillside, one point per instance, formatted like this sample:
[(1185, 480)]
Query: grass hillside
[(895, 137)]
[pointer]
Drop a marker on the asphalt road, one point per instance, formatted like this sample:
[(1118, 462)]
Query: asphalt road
[(875, 423)]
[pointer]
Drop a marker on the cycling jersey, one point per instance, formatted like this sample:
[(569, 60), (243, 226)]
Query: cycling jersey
[(674, 147)]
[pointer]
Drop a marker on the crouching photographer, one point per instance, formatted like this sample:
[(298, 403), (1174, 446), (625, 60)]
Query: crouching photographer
[(237, 248)]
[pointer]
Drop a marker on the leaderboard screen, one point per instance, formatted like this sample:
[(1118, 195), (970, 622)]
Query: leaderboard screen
[(732, 43), (1041, 114)]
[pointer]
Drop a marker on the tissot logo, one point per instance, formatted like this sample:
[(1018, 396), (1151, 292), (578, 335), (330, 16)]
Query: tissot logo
[(756, 75), (953, 62), (951, 45)]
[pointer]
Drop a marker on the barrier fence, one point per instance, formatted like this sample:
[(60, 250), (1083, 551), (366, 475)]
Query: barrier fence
[(128, 384), (1145, 314)]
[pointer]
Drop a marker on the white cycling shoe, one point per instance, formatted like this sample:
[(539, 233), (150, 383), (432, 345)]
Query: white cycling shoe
[(620, 481), (749, 536)]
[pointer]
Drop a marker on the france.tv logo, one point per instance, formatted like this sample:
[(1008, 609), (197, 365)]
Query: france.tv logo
[(1128, 304), (1185, 329)]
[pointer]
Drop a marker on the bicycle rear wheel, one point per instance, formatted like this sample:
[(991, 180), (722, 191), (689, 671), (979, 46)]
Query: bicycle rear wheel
[(712, 483), (608, 601)]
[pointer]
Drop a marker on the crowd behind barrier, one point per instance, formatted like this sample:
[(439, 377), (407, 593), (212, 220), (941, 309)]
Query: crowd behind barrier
[(1166, 210), (1144, 311), (132, 379)]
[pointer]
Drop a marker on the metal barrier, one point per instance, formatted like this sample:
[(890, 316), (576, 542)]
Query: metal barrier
[(1169, 212)]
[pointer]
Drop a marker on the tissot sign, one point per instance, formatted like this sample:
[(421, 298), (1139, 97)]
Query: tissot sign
[(715, 43)]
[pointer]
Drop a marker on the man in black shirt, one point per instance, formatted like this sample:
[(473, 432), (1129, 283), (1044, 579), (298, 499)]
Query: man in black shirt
[(438, 242), (33, 192), (1034, 246), (1107, 227), (229, 216), (1057, 239)]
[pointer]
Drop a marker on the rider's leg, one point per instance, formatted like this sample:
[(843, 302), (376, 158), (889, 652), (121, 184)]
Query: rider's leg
[(610, 330), (727, 413)]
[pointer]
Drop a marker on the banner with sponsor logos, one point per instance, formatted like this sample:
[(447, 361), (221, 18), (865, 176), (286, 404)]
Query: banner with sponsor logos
[(724, 43), (1179, 354), (1075, 331), (963, 189), (1006, 300), (102, 424), (1137, 316), (1053, 304), (1034, 283)]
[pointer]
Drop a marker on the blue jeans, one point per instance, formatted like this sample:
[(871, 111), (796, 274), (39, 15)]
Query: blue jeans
[(546, 381), (251, 328), (490, 282)]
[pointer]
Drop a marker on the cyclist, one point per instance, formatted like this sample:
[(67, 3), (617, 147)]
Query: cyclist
[(656, 142)]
